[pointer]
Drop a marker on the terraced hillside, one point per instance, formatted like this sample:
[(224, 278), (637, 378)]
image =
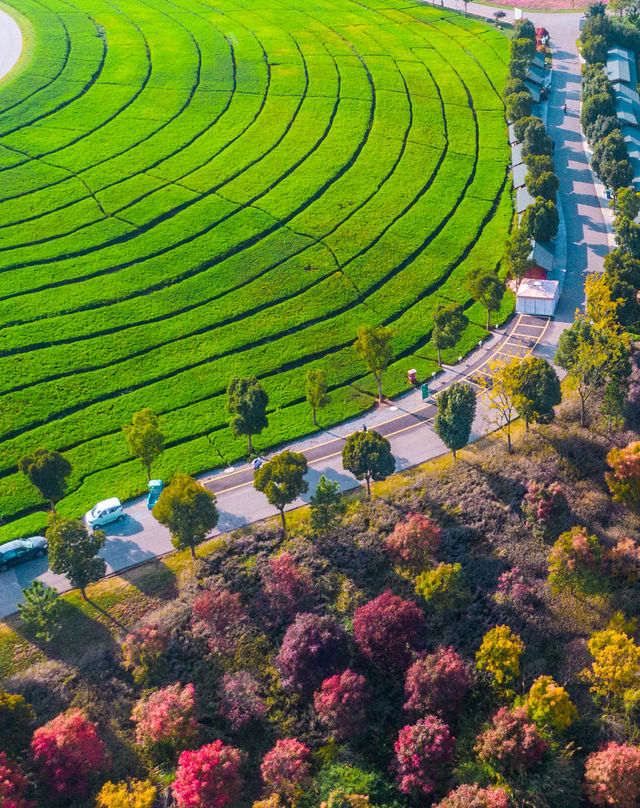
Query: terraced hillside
[(191, 191)]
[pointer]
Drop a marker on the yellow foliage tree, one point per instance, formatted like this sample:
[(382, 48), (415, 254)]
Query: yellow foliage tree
[(549, 705), (499, 654), (133, 794), (614, 675)]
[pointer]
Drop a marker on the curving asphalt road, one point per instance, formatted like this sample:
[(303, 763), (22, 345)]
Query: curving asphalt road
[(407, 421), (10, 43)]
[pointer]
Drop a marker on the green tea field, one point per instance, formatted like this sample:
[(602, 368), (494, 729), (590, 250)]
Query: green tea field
[(191, 191)]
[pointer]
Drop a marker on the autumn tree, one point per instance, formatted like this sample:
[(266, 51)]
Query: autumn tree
[(132, 794), (367, 455), (313, 648), (545, 508), (316, 391), (421, 752), (341, 704), (13, 785), (165, 720), (388, 629), (512, 742), (474, 796), (209, 776), (286, 769), (614, 675), (449, 323), (437, 683), (240, 699), (486, 288), (444, 587), (68, 754), (143, 652), (549, 706), (326, 505), (517, 252), (624, 478), (188, 510), (456, 411), (500, 395), (145, 439), (536, 390), (220, 617), (73, 551), (16, 717), (40, 610), (282, 481), (287, 589), (612, 776), (373, 345), (575, 563), (247, 404), (499, 655), (47, 471), (413, 542)]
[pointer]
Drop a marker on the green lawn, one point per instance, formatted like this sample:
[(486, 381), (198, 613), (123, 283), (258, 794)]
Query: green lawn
[(190, 192)]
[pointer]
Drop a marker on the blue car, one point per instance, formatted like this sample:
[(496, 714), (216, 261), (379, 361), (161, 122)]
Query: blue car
[(155, 489)]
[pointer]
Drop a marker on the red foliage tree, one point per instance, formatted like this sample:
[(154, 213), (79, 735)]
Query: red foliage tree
[(512, 742), (624, 559), (388, 629), (612, 776), (544, 507), (437, 683), (475, 797), (624, 478), (341, 702), (66, 752), (414, 542), (286, 768), (313, 647), (421, 751), (208, 777), (166, 719), (143, 650), (286, 588), (13, 785), (218, 615), (240, 700)]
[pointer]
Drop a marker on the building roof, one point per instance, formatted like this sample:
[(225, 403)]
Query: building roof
[(621, 66), (523, 199), (543, 253), (516, 154), (627, 92), (538, 288), (534, 89), (519, 173), (538, 61), (512, 134), (535, 75), (626, 111)]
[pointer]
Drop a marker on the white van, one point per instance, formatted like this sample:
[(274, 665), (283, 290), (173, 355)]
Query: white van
[(109, 510)]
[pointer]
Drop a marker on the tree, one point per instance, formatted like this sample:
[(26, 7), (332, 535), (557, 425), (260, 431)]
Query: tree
[(456, 411), (374, 347), (327, 505), (16, 717), (549, 706), (449, 322), (144, 437), (73, 551), (313, 648), (536, 140), (628, 236), (486, 288), (599, 104), (524, 29), (621, 6), (341, 704), (209, 776), (67, 754), (612, 776), (132, 794), (517, 252), (545, 508), (413, 542), (627, 201), (220, 617), (13, 785), (437, 683), (536, 390), (594, 49), (512, 742), (316, 391), (367, 455), (388, 629), (143, 652), (624, 478), (518, 105), (286, 769), (287, 589), (499, 655), (616, 173), (474, 796), (522, 48), (281, 480), (518, 69), (611, 147), (443, 588), (247, 403), (240, 699), (575, 562), (40, 610), (165, 720), (539, 164), (421, 752), (499, 390), (47, 471), (188, 510), (520, 127), (541, 219), (545, 185), (513, 86), (614, 675)]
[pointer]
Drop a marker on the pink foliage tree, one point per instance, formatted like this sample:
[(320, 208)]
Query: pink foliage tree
[(341, 703), (240, 699), (421, 751), (166, 719), (208, 777), (286, 588), (414, 542), (514, 591), (544, 507), (437, 683), (612, 776), (13, 785), (388, 629), (512, 742), (624, 559), (286, 768), (218, 615), (313, 647), (143, 651), (475, 797), (67, 752)]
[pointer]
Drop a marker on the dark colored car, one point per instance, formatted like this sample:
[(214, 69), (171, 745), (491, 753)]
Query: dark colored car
[(15, 552)]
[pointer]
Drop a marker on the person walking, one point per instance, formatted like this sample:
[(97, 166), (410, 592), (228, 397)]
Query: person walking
[(564, 108)]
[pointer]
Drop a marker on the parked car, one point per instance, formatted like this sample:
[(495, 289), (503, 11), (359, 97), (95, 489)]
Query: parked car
[(15, 552), (105, 512), (155, 489)]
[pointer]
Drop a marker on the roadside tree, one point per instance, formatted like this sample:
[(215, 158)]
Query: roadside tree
[(367, 455), (144, 437), (545, 185), (456, 411), (518, 105), (73, 551), (316, 391), (281, 480), (247, 404), (374, 347), (47, 471), (188, 510), (536, 390), (486, 288), (16, 717), (541, 219), (327, 505), (517, 254), (500, 393), (40, 610), (449, 323)]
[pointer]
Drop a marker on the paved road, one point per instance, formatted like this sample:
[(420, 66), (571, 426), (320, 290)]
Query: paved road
[(406, 422), (10, 43)]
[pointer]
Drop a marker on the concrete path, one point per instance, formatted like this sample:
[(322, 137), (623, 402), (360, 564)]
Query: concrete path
[(10, 43)]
